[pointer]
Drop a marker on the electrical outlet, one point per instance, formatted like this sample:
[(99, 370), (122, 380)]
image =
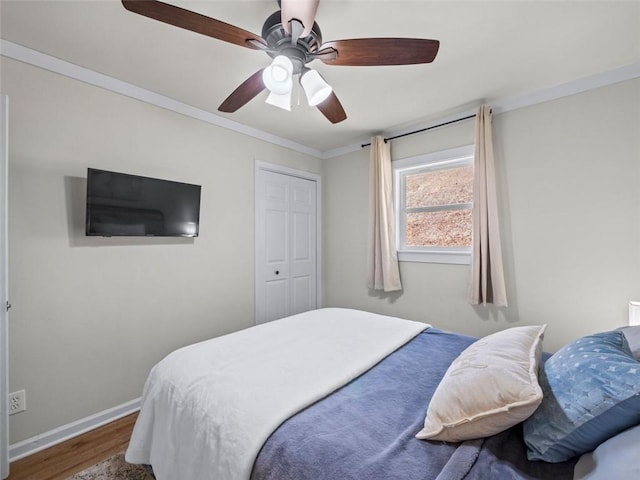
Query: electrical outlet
[(17, 402)]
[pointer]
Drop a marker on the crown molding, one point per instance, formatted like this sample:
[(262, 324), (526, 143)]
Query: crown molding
[(584, 84), (42, 60)]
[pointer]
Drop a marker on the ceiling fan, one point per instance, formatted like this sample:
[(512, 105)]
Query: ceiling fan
[(292, 38)]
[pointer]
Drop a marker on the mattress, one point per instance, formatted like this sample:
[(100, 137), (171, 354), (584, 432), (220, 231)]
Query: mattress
[(328, 394)]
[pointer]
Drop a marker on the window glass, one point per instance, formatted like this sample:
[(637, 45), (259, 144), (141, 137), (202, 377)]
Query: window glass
[(434, 206), (448, 228), (440, 187)]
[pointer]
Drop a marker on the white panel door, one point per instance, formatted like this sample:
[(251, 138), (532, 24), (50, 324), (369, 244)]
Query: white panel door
[(286, 245), (4, 302)]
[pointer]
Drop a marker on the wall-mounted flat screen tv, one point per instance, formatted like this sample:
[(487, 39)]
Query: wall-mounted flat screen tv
[(119, 204)]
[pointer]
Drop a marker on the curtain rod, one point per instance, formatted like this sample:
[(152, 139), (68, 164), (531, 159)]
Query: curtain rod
[(423, 129)]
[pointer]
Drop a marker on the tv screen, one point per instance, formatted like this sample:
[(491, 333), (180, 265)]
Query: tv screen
[(119, 204)]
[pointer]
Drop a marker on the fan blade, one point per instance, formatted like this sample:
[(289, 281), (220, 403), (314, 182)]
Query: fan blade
[(332, 109), (179, 17), (302, 10), (363, 52), (248, 89)]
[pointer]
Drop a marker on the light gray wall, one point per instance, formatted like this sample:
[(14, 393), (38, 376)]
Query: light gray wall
[(91, 316), (569, 186)]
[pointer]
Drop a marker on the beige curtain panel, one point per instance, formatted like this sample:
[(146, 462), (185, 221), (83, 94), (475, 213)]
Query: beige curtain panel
[(384, 273), (487, 273)]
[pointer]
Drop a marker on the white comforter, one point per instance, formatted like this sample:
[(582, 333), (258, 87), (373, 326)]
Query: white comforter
[(208, 408)]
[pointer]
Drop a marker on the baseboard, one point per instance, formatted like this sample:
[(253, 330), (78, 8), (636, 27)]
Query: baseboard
[(65, 432)]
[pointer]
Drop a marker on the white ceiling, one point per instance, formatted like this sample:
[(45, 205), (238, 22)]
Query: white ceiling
[(490, 51)]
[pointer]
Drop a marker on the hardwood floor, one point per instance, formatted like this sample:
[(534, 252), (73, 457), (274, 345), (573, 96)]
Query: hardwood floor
[(73, 456)]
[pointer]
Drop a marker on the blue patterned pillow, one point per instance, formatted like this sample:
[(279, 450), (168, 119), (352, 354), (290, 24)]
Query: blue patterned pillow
[(591, 391)]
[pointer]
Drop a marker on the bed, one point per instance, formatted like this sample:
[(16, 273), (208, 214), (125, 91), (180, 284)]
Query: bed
[(346, 394)]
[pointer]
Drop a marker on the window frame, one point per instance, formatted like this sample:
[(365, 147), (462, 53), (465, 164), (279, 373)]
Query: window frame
[(455, 157)]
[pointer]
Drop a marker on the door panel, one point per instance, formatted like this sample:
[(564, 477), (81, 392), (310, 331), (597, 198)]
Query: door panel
[(276, 230), (276, 298), (301, 240), (300, 294), (301, 196)]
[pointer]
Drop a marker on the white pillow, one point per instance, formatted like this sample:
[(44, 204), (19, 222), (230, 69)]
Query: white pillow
[(615, 459), (491, 386)]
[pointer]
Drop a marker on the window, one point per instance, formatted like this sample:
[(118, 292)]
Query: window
[(434, 204)]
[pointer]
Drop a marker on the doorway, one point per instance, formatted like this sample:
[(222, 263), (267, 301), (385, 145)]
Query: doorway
[(287, 242)]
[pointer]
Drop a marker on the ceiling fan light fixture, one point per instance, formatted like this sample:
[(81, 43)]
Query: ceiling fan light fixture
[(315, 87), (280, 100), (277, 76)]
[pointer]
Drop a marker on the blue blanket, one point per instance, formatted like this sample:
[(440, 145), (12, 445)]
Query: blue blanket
[(366, 429)]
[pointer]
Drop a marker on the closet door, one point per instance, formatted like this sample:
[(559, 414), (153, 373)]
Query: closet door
[(286, 245)]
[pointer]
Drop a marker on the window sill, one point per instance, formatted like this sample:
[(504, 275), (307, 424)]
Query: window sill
[(436, 256)]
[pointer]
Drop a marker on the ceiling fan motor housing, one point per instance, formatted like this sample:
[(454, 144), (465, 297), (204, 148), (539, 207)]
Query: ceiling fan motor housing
[(279, 42)]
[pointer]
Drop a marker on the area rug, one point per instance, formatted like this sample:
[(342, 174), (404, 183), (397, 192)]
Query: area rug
[(113, 468)]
